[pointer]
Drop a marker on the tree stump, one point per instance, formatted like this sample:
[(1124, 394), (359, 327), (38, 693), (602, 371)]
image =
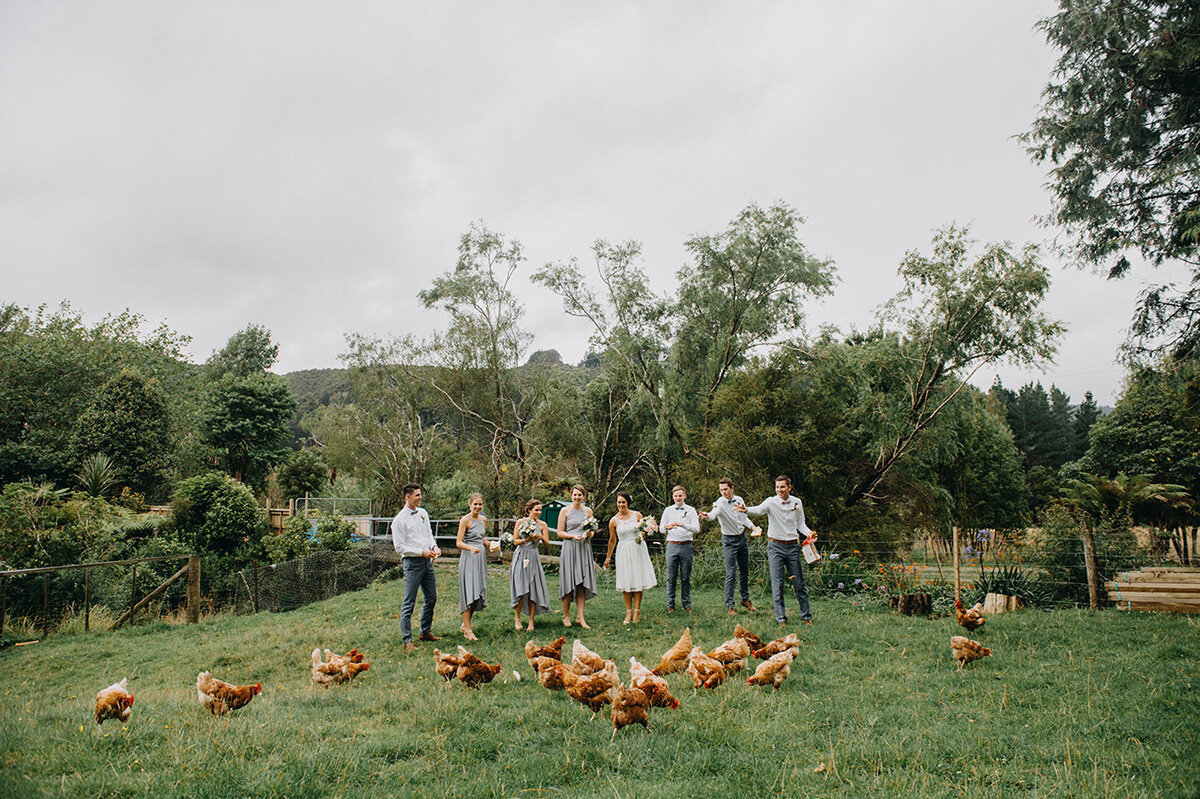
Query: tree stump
[(914, 604), (1000, 603)]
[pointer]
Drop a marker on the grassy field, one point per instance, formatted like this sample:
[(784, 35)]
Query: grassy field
[(1073, 703)]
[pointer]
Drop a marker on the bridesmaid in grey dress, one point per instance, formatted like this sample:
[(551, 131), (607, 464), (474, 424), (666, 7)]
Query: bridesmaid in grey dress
[(577, 571), (472, 565), (527, 581)]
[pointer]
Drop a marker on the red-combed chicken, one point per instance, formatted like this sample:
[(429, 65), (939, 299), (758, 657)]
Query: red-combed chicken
[(774, 670), (971, 619), (750, 638), (472, 671), (338, 670), (353, 656), (705, 672), (114, 702), (584, 660), (551, 650), (550, 673), (790, 641), (653, 686), (593, 690), (965, 650), (219, 697), (629, 706), (676, 658), (732, 655), (446, 665)]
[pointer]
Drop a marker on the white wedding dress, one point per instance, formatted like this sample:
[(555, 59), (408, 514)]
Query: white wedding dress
[(632, 560)]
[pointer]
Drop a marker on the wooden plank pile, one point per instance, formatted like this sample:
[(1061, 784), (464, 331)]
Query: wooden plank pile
[(1157, 588)]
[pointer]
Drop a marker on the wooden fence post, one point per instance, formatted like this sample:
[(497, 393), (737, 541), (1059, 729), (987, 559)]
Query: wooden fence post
[(46, 602), (193, 590), (254, 596), (957, 584), (87, 599), (1089, 560), (132, 593)]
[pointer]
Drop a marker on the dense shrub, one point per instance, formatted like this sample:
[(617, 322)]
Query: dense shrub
[(304, 473), (217, 515), (302, 537)]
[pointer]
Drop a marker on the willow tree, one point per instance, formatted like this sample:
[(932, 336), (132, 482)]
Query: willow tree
[(959, 311)]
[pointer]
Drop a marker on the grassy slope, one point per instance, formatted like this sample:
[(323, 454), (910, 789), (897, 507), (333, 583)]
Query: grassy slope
[(1072, 704)]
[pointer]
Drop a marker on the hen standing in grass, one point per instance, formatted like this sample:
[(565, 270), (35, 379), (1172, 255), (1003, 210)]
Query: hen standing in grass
[(705, 671), (220, 697), (750, 638), (965, 650), (114, 702), (472, 671), (652, 685), (970, 619), (774, 670), (629, 706), (676, 658), (552, 650), (584, 660), (593, 690), (790, 641), (732, 655)]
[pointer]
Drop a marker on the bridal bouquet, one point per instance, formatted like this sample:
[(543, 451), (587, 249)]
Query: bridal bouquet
[(591, 526), (645, 527)]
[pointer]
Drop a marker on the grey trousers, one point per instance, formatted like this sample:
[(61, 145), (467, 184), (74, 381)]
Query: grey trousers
[(418, 573), (679, 564), (787, 563), (737, 562)]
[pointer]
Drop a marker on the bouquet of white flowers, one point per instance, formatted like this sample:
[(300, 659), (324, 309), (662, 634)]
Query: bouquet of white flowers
[(506, 539), (646, 527), (591, 526)]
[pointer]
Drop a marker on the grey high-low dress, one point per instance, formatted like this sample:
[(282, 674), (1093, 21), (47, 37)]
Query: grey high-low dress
[(578, 567), (527, 581), (472, 570)]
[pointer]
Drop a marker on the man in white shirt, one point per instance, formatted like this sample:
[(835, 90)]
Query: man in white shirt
[(681, 524), (785, 531), (413, 538), (734, 525)]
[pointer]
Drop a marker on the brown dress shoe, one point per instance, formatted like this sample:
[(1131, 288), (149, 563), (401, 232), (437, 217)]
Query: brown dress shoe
[(409, 646), (748, 605), (429, 637)]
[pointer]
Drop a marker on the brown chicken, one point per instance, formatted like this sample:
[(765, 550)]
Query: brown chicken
[(220, 697), (353, 656), (705, 672), (732, 655), (750, 638), (551, 650), (676, 658), (774, 670), (965, 650), (584, 660), (446, 665), (472, 671), (654, 687), (790, 641), (629, 706), (593, 690), (339, 669), (970, 619), (114, 702), (550, 673)]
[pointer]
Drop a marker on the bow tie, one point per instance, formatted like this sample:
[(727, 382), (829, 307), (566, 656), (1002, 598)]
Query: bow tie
[(414, 510)]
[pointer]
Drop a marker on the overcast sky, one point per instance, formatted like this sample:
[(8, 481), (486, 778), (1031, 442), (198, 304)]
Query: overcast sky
[(309, 166)]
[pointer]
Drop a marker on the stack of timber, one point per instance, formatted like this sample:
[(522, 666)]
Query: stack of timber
[(1157, 588)]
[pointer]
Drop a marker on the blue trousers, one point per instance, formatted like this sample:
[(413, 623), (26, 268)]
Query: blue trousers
[(787, 563), (679, 564), (737, 562), (418, 573)]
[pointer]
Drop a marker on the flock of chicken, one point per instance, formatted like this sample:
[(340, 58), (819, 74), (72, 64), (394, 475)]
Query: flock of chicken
[(588, 678), (594, 681)]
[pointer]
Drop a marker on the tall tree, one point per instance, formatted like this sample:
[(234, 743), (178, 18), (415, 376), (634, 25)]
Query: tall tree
[(246, 409), (129, 421), (1120, 127), (1085, 416), (746, 286), (958, 312)]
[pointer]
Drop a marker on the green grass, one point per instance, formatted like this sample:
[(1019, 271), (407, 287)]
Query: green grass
[(1073, 703)]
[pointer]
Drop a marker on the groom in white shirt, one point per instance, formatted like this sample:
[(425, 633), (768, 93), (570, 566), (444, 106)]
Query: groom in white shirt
[(785, 531), (681, 524), (730, 513)]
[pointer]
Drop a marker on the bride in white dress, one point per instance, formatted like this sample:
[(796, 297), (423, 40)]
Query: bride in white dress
[(635, 573)]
